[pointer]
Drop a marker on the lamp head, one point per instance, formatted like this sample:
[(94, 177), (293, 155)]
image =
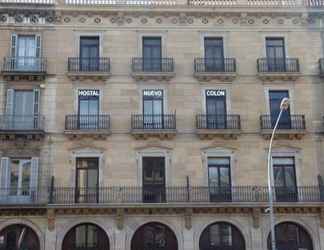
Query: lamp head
[(284, 105)]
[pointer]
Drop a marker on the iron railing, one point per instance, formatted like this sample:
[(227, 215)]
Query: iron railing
[(89, 64), (188, 194), (152, 65), (24, 65), (209, 121), (215, 65), (278, 65), (24, 195), (21, 122), (287, 122), (165, 121), (87, 122)]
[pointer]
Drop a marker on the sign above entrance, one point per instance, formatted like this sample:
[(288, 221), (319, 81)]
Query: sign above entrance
[(88, 92), (217, 92), (153, 92)]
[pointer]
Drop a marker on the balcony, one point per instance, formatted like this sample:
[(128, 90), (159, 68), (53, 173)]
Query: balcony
[(153, 68), (89, 68), (95, 126), (162, 126), (187, 196), (292, 127), (211, 126), (222, 69), (23, 196), (22, 126), (24, 68), (271, 69)]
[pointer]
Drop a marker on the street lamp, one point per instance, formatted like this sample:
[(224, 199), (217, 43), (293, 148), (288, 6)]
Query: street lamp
[(284, 105)]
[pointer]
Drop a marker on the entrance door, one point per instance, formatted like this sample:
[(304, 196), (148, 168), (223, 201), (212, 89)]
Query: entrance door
[(23, 116), (87, 180), (152, 54), (285, 179), (154, 179), (26, 53), (276, 97), (219, 178), (89, 53), (153, 109), (216, 109), (275, 49), (214, 54), (88, 112)]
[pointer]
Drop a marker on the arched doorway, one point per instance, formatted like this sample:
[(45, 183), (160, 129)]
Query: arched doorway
[(86, 236), (18, 237), (154, 236), (221, 236), (291, 236)]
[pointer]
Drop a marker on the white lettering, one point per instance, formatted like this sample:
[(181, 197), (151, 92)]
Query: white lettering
[(215, 92), (88, 92), (152, 92)]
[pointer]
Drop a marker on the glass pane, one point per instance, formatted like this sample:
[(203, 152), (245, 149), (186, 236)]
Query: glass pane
[(92, 178), (92, 236), (290, 177), (148, 107), (25, 178), (214, 235), (218, 161), (279, 176), (224, 176), (14, 177), (80, 236), (283, 161), (213, 176)]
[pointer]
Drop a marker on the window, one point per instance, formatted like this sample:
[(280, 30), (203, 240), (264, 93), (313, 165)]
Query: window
[(88, 108), (216, 109), (152, 54), (219, 178), (87, 179), (275, 49), (22, 109), (20, 172), (26, 51), (214, 54), (153, 108), (153, 179), (89, 53), (275, 98), (285, 178)]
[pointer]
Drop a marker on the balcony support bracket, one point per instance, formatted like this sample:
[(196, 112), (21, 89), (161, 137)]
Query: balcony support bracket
[(51, 219), (256, 214), (188, 218), (322, 217), (120, 214)]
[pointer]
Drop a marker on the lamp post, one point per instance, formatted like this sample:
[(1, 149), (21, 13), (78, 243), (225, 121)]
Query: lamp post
[(283, 106)]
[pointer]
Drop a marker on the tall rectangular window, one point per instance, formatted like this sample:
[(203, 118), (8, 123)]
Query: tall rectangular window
[(216, 108), (284, 178), (20, 175), (219, 178), (87, 179), (153, 108), (275, 49), (214, 54), (88, 108), (275, 98), (152, 54), (89, 53)]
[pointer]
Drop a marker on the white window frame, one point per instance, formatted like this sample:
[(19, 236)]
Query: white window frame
[(142, 34), (274, 35), (220, 34), (80, 34), (219, 87), (281, 87), (153, 87), (76, 97)]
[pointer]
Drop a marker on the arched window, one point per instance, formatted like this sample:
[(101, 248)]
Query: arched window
[(17, 237), (221, 236), (154, 236), (291, 236), (86, 237)]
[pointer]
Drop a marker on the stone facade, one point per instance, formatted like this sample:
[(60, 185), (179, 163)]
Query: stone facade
[(182, 28)]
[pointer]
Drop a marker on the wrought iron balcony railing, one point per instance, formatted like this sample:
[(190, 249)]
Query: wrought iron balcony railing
[(152, 122), (24, 65), (278, 65), (152, 65), (89, 64), (21, 122), (87, 122), (191, 194), (23, 196), (294, 122), (215, 65), (218, 121)]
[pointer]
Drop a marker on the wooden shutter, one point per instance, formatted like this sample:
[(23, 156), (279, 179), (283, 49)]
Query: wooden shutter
[(4, 176), (38, 46), (10, 101), (14, 40), (34, 173), (36, 97)]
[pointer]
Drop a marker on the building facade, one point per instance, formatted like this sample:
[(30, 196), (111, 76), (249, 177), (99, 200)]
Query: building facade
[(131, 125)]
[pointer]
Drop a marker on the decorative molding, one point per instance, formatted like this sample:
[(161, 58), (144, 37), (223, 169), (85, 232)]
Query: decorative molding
[(256, 214), (51, 219), (188, 218), (120, 218)]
